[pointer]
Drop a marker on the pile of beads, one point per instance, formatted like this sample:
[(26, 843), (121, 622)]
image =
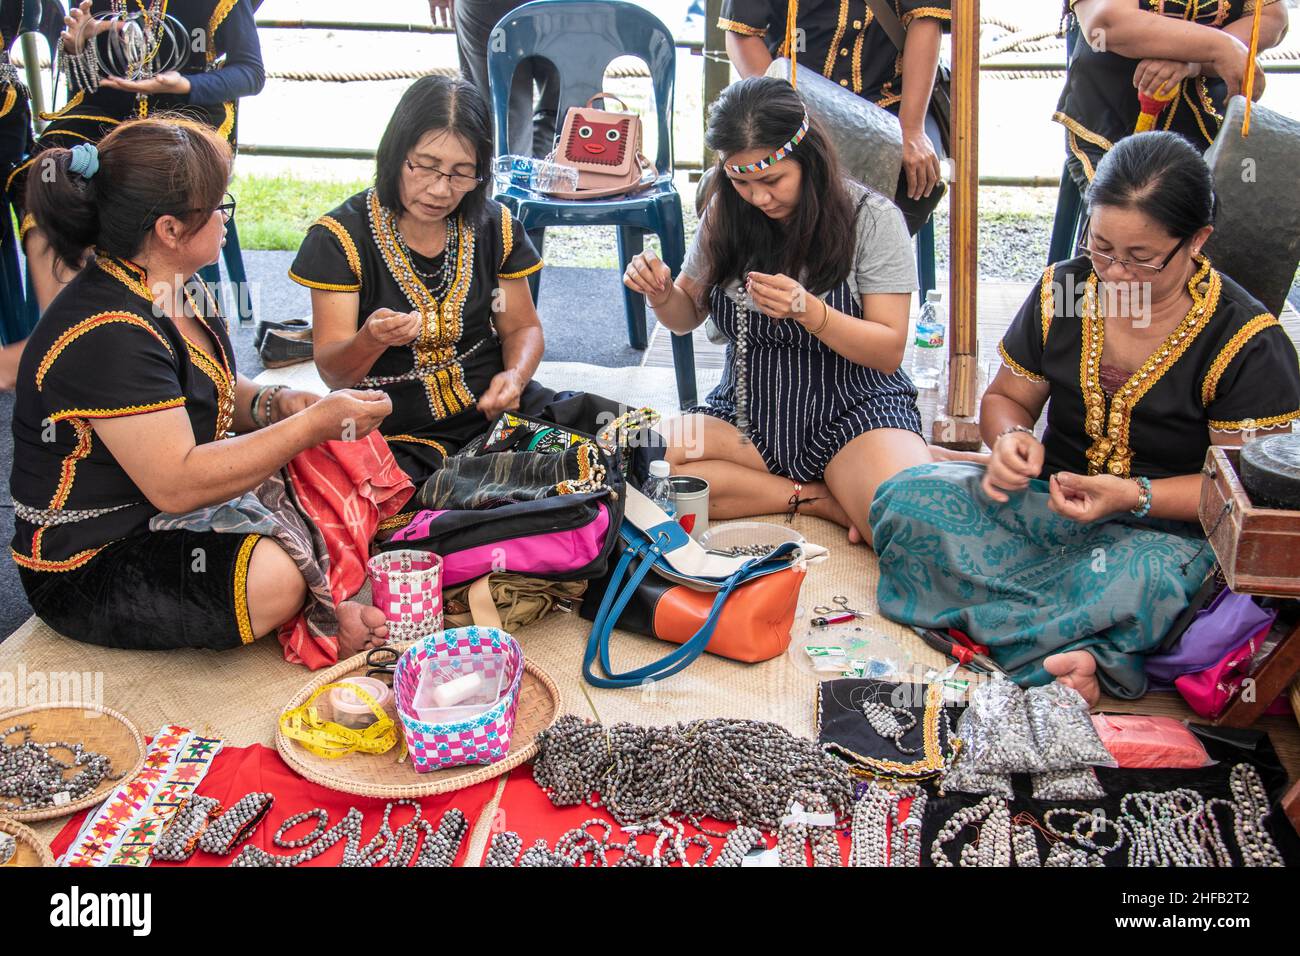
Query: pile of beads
[(1080, 784), (1063, 729), (580, 847), (809, 821), (992, 846), (8, 848), (742, 771), (879, 839), (236, 825), (1024, 845), (32, 778)]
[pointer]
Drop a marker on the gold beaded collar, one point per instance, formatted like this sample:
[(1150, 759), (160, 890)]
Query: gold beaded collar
[(1108, 427)]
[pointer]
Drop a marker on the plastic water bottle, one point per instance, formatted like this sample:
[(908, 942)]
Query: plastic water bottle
[(659, 488), (931, 329), (535, 174)]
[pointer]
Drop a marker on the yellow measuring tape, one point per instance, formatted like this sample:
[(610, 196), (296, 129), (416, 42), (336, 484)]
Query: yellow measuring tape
[(325, 738)]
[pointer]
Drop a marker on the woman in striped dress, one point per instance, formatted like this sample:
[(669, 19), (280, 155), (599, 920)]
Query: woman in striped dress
[(810, 277)]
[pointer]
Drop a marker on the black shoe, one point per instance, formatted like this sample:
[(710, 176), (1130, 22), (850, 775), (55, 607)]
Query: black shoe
[(292, 325), (281, 348)]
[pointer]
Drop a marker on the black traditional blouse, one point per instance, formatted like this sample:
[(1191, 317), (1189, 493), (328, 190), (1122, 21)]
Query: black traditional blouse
[(842, 40), (439, 377), (1099, 104), (1228, 366), (100, 351)]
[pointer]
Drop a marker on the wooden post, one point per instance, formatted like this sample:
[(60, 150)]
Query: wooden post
[(32, 67), (717, 69), (959, 428)]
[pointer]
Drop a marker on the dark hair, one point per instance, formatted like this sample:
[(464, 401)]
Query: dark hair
[(148, 168), (436, 103), (764, 113), (1161, 175)]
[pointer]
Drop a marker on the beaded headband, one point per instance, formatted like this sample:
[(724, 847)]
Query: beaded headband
[(776, 157)]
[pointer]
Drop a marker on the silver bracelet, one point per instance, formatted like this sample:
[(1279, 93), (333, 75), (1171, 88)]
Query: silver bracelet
[(1011, 431)]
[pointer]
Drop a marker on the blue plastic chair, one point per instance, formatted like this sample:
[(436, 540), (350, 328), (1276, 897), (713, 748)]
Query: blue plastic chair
[(580, 39), (233, 256), (1068, 222)]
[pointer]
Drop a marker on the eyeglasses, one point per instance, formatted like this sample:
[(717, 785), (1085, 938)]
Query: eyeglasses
[(227, 208), (432, 174), (1100, 258)]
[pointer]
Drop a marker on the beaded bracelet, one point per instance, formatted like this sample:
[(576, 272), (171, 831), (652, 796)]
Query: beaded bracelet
[(181, 836), (1011, 431), (271, 392), (236, 825), (1144, 497)]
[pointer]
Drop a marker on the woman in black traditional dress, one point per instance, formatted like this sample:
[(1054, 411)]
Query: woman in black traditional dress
[(127, 394), (1195, 50), (419, 284)]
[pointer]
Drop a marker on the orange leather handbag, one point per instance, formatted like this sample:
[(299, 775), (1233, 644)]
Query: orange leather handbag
[(665, 585)]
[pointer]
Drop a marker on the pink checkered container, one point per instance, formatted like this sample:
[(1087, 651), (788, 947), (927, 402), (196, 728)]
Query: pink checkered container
[(481, 739), (407, 587)]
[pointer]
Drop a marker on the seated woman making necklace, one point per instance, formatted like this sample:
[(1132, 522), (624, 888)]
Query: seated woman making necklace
[(1072, 557), (813, 408)]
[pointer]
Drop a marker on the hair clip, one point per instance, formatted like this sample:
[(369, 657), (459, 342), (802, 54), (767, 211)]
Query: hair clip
[(236, 825), (188, 824)]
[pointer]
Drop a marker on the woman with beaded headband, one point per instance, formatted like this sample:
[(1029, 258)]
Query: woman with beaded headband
[(419, 284), (140, 521), (1072, 555), (202, 56), (810, 277)]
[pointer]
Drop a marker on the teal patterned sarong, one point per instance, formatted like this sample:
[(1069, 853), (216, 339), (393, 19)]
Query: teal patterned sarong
[(1028, 582)]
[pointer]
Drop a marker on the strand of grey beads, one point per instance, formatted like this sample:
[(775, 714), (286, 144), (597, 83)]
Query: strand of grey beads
[(905, 836), (737, 846), (395, 847), (504, 849), (236, 825), (322, 818), (180, 837), (1062, 854), (797, 831), (539, 854), (1024, 845), (1252, 809), (1161, 828), (32, 778), (347, 829), (891, 723), (745, 551), (740, 771), (869, 831), (741, 367), (1087, 826), (441, 846), (991, 809)]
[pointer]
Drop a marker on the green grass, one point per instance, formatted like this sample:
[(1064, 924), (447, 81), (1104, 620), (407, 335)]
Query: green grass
[(275, 211)]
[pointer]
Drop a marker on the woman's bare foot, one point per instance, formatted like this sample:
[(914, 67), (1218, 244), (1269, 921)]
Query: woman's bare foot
[(361, 627), (828, 508), (1077, 669)]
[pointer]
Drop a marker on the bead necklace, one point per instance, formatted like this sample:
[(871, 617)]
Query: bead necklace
[(32, 778), (1251, 807), (579, 847), (742, 771), (1024, 845), (741, 363), (442, 277), (993, 843), (809, 821), (891, 723), (879, 839)]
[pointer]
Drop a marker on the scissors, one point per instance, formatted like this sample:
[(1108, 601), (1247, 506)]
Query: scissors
[(381, 661), (837, 612)]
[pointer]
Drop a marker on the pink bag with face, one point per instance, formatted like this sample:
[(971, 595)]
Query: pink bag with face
[(606, 149)]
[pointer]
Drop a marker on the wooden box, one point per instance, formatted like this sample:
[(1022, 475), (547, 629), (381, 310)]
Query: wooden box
[(1258, 548)]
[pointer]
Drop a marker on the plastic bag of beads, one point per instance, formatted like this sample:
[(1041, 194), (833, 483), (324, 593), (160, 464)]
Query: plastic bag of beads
[(962, 776), (1003, 741), (1080, 784), (1063, 729)]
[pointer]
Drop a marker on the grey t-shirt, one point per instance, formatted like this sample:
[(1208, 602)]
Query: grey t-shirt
[(882, 258)]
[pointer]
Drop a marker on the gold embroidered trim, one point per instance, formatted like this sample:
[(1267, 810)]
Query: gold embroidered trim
[(67, 132), (345, 240), (1078, 129), (1016, 367), (128, 273), (522, 272), (744, 29), (857, 62), (829, 66), (1075, 148), (938, 13), (323, 286), (90, 117), (419, 441), (1230, 350), (68, 107), (396, 521), (1110, 451), (26, 226), (84, 326), (507, 236), (228, 122), (222, 376), (1047, 301), (11, 96), (242, 616), (1196, 113), (41, 564), (123, 412), (68, 470), (18, 169), (1255, 424)]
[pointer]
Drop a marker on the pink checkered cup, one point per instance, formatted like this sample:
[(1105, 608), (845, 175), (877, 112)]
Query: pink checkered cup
[(407, 586)]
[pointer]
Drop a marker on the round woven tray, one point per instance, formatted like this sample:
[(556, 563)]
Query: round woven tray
[(31, 851), (382, 775), (98, 729)]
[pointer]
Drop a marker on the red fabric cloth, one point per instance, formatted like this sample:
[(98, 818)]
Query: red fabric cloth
[(345, 489), (525, 809), (240, 770)]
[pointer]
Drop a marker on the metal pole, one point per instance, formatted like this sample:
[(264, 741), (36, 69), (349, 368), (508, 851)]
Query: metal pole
[(32, 68)]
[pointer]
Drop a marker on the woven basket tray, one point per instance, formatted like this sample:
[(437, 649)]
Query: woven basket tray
[(31, 851), (99, 729), (381, 775)]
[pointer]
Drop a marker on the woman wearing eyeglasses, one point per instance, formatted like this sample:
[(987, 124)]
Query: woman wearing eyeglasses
[(1071, 556), (419, 284), (134, 522)]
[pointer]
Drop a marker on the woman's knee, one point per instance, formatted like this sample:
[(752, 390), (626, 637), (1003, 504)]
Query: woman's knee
[(276, 588)]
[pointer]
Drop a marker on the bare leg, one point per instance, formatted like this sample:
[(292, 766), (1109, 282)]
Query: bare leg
[(939, 453), (277, 592), (10, 355), (1077, 669), (861, 466)]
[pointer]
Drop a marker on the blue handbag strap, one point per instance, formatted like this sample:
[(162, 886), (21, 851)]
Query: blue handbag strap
[(619, 592)]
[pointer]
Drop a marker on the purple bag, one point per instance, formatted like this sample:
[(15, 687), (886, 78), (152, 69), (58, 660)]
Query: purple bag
[(1228, 620)]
